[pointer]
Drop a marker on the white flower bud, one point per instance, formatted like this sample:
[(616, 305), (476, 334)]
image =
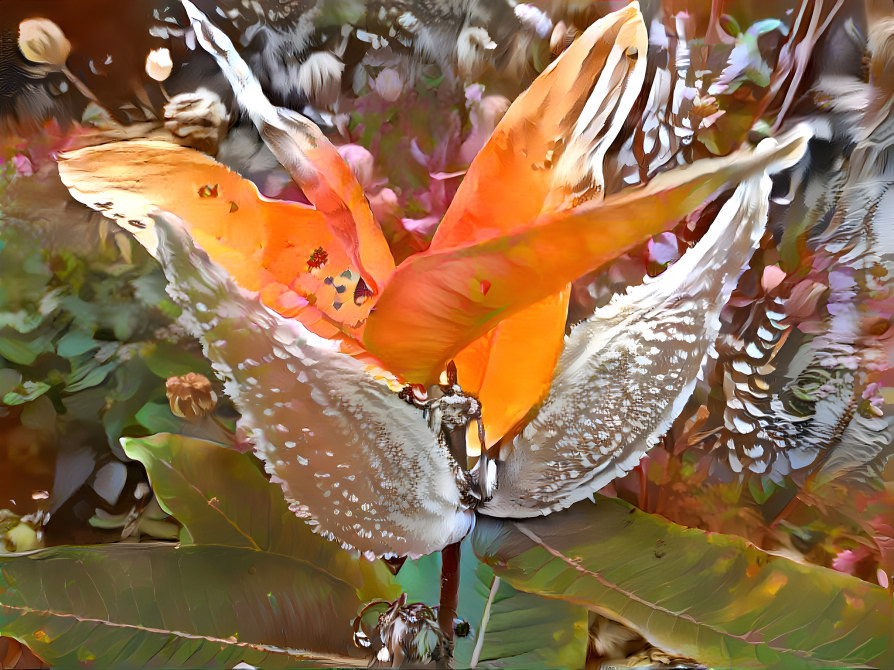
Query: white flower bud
[(159, 64), (388, 84), (42, 41)]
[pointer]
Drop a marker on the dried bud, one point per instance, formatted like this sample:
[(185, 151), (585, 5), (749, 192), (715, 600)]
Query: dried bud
[(191, 395), (562, 37), (42, 41), (197, 119), (159, 64), (704, 107), (472, 49)]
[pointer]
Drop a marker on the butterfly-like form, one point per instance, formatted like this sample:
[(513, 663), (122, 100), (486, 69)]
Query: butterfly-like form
[(313, 329)]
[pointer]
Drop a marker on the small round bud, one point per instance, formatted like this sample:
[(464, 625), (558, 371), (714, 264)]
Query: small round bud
[(159, 64), (42, 41), (190, 396), (22, 538)]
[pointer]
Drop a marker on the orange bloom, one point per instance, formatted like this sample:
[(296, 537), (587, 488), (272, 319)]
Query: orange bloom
[(491, 292)]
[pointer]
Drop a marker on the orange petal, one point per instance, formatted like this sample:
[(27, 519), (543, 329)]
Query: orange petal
[(545, 140), (300, 146), (510, 367), (330, 185), (284, 250), (545, 154), (449, 298)]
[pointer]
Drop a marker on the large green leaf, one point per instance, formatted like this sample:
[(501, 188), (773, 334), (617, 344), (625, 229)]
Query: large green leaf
[(156, 605), (713, 597), (221, 497), (510, 628), (250, 581)]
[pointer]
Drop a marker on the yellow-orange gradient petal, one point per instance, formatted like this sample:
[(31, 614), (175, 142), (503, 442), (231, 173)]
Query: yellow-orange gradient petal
[(543, 141), (545, 154), (284, 250), (311, 159), (449, 298), (330, 185), (510, 367)]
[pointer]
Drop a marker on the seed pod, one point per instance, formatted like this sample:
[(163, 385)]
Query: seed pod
[(191, 395)]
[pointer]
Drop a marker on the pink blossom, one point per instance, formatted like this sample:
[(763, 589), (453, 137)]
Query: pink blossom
[(361, 161), (804, 298), (772, 277), (23, 165), (385, 204), (424, 226), (388, 84), (534, 19), (846, 561)]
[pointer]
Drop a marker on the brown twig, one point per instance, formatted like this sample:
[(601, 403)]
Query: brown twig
[(450, 556)]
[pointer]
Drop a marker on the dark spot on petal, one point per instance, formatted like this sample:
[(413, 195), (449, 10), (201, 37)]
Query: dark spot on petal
[(452, 377), (485, 287), (318, 258), (209, 191), (337, 305), (233, 207), (362, 293)]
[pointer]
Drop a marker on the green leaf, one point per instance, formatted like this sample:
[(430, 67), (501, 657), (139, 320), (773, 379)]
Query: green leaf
[(221, 497), (129, 389), (25, 392), (156, 605), (167, 359), (22, 348), (75, 343), (761, 489), (249, 582), (712, 597), (524, 630), (510, 628), (9, 379), (86, 373), (157, 417)]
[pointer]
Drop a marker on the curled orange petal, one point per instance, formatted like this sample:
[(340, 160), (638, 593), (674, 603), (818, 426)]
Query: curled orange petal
[(439, 295), (283, 250), (544, 155)]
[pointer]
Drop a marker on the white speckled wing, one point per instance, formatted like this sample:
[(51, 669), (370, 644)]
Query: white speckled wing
[(627, 371), (357, 462)]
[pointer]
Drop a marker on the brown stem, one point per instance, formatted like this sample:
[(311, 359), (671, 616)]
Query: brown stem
[(449, 600)]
